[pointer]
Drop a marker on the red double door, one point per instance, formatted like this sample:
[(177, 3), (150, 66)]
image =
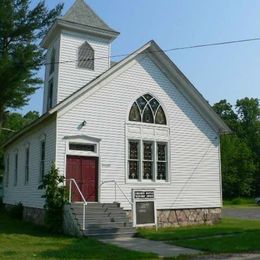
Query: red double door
[(85, 172)]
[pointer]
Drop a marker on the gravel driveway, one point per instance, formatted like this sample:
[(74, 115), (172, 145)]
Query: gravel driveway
[(245, 213)]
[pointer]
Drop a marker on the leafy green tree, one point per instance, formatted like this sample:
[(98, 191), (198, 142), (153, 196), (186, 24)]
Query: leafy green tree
[(20, 54), (240, 151), (248, 110), (226, 112), (238, 167), (14, 122)]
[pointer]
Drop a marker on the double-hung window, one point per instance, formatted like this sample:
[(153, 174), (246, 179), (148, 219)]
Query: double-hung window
[(15, 168), (134, 159), (26, 168), (148, 160), (42, 158), (7, 165), (50, 94)]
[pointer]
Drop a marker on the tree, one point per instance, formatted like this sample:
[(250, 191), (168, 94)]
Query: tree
[(226, 112), (20, 54), (248, 110), (14, 122), (240, 151), (238, 167)]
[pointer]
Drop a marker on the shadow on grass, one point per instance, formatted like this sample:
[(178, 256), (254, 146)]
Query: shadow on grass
[(83, 248), (22, 240), (9, 225)]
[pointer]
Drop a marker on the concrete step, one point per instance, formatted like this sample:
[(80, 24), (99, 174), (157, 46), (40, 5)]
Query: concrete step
[(109, 225), (104, 220), (97, 205), (109, 230), (111, 235), (98, 211), (94, 220)]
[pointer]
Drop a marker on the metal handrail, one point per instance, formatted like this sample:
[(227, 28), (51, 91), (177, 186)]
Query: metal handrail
[(84, 200), (117, 185)]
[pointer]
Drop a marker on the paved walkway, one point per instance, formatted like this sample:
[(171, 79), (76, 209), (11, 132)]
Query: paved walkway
[(244, 213), (230, 257), (145, 245)]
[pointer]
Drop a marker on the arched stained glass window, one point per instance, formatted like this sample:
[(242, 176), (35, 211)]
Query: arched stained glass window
[(147, 109), (135, 113), (86, 56)]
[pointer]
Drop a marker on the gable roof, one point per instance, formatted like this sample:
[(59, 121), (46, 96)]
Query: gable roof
[(166, 66)]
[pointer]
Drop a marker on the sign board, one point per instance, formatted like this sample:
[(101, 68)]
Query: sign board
[(144, 212), (139, 194), (144, 207)]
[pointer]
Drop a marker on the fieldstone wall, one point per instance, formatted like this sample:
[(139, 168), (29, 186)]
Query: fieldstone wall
[(185, 217), (70, 226), (34, 215), (129, 215)]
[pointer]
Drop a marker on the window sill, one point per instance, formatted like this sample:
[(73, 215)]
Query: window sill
[(149, 182)]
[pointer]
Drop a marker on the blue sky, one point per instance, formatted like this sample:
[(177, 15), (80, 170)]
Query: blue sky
[(223, 72)]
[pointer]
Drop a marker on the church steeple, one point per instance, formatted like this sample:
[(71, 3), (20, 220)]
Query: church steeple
[(82, 38)]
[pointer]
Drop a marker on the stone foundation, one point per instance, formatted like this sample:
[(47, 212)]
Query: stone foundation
[(70, 226), (185, 217), (129, 215), (34, 215)]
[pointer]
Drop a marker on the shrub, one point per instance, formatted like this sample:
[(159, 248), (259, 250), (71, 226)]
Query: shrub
[(55, 199), (16, 211), (1, 204)]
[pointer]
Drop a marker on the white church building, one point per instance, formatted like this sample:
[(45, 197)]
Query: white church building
[(135, 132)]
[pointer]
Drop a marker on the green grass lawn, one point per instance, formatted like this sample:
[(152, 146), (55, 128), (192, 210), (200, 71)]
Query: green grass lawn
[(20, 240), (240, 203), (229, 236)]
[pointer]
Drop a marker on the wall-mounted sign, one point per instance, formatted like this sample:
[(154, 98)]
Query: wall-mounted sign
[(144, 207), (139, 194)]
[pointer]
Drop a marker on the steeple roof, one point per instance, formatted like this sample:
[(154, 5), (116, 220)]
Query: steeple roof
[(80, 18), (81, 13)]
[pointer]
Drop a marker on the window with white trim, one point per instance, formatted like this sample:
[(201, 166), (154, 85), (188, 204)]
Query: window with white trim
[(27, 161), (50, 94), (52, 65), (82, 147), (134, 159), (15, 168), (86, 56), (42, 158), (7, 165), (147, 109), (148, 142), (153, 165), (162, 161)]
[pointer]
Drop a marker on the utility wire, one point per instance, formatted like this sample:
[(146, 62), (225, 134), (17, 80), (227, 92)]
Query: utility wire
[(166, 50)]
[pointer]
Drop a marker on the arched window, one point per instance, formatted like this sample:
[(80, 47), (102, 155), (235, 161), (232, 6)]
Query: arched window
[(86, 56), (147, 109)]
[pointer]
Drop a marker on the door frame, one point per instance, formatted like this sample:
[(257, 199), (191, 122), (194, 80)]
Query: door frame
[(97, 172), (84, 139)]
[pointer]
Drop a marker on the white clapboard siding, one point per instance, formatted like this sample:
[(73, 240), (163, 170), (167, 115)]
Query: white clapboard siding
[(194, 145), (70, 77), (29, 194)]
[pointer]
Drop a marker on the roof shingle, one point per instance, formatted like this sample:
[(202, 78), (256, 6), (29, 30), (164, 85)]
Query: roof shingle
[(81, 13)]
